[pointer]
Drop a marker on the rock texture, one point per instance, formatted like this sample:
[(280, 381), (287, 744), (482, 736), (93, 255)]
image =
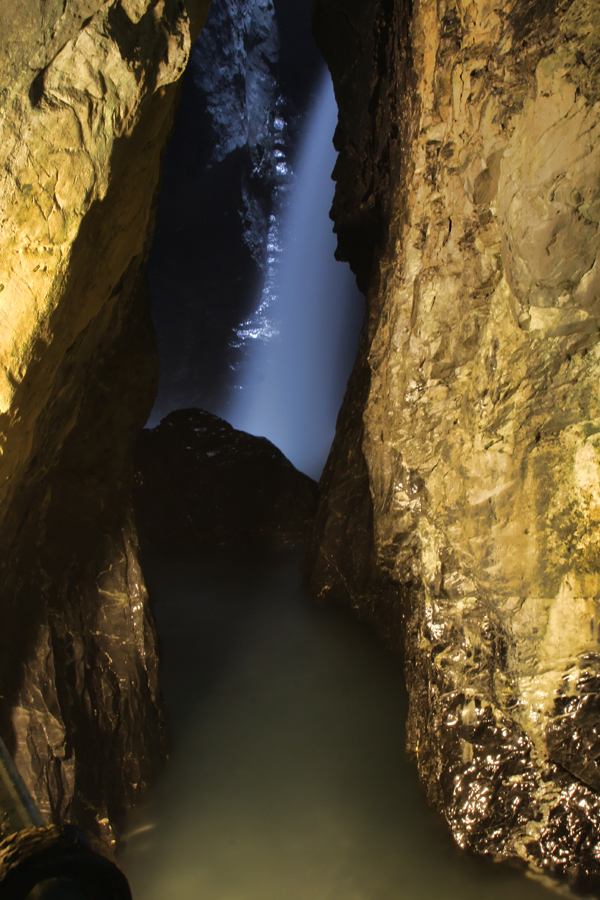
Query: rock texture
[(203, 485), (209, 249), (461, 504), (226, 175), (87, 93)]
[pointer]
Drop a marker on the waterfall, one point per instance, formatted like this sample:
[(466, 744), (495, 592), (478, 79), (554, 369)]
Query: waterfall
[(292, 388)]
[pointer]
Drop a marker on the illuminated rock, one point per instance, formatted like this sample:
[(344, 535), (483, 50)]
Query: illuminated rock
[(87, 101), (462, 498)]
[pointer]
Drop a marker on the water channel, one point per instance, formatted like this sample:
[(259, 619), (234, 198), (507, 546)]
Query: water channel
[(287, 779)]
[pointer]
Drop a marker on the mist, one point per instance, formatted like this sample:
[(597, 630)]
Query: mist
[(294, 383)]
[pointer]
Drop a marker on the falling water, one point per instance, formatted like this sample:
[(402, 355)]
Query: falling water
[(293, 387)]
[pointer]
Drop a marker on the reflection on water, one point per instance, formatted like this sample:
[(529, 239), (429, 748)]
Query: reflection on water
[(287, 779)]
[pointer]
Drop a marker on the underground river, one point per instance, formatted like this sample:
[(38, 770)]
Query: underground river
[(287, 778)]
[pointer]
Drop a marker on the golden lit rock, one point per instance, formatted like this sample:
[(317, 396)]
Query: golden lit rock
[(480, 434), (88, 91)]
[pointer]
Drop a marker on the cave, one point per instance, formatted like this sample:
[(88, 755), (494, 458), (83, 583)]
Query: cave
[(457, 513)]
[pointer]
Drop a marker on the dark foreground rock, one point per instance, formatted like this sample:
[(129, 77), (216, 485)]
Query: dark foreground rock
[(200, 484)]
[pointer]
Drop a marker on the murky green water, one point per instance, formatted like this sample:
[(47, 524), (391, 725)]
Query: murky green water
[(287, 779)]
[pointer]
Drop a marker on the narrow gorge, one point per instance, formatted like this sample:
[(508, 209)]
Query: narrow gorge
[(458, 510)]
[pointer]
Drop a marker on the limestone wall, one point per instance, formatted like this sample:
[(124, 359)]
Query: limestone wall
[(468, 202), (88, 90)]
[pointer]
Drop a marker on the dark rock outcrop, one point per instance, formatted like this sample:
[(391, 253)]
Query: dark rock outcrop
[(460, 508), (203, 485), (59, 861)]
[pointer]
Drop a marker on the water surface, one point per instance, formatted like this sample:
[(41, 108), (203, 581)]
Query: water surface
[(287, 779)]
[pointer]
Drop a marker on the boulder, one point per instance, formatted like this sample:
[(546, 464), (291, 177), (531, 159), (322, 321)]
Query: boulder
[(202, 485)]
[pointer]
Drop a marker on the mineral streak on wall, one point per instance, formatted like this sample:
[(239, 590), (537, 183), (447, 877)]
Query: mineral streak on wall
[(87, 91), (461, 506)]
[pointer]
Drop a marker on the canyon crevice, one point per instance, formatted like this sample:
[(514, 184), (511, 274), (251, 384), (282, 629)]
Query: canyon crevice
[(460, 505)]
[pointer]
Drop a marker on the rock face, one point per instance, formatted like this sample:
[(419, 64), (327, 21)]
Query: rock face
[(210, 244), (461, 505), (226, 177), (87, 95), (203, 485)]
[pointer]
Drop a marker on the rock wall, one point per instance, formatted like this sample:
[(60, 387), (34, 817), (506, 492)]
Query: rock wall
[(209, 252), (88, 89), (202, 486), (461, 504), (226, 180)]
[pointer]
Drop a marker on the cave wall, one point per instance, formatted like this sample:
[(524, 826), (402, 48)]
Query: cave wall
[(88, 91), (227, 175), (461, 501)]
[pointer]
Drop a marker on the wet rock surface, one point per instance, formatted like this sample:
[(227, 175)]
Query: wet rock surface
[(201, 484), (227, 172), (467, 202), (210, 244), (87, 105)]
